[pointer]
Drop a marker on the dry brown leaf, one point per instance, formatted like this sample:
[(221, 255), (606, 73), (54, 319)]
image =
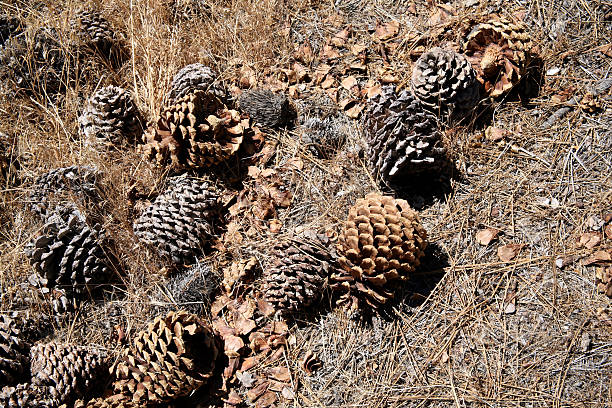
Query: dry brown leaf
[(288, 393), (608, 231), (275, 226), (264, 307), (601, 257), (373, 89), (328, 82), (485, 236), (495, 134), (231, 367), (266, 400), (589, 240), (280, 373), (304, 53), (302, 74), (606, 50), (249, 362), (349, 82), (257, 391), (247, 77), (508, 252), (244, 325), (233, 398), (294, 163), (388, 30), (354, 111), (329, 52), (339, 39), (233, 344)]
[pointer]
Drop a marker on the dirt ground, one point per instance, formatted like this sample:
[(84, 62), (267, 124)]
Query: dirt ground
[(469, 329)]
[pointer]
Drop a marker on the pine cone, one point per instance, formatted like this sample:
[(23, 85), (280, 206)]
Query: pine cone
[(604, 280), (180, 220), (115, 401), (324, 137), (13, 352), (68, 253), (172, 358), (79, 180), (34, 63), (198, 131), (190, 290), (403, 139), (95, 31), (9, 26), (70, 372), (110, 117), (500, 52), (298, 274), (266, 108), (26, 396), (189, 9), (195, 77), (445, 82), (382, 243)]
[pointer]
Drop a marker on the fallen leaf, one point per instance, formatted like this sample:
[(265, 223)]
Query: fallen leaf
[(385, 31), (275, 226), (233, 344), (354, 111), (257, 392), (608, 231), (485, 236), (287, 393), (600, 257), (349, 82), (247, 77), (233, 398), (495, 134), (606, 50), (304, 53), (231, 367), (266, 400), (563, 261), (328, 82), (589, 240), (508, 252), (510, 303), (339, 39), (244, 325), (294, 163), (265, 308), (329, 52), (280, 373), (249, 363)]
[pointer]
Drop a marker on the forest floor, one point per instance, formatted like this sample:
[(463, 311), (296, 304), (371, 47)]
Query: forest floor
[(471, 327)]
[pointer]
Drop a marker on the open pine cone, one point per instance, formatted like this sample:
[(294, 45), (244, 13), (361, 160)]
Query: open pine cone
[(14, 352), (403, 139), (27, 395), (298, 274), (195, 77), (68, 253), (69, 372), (445, 82), (114, 401), (382, 243), (198, 131), (173, 357), (266, 108), (82, 181), (110, 117), (500, 51), (324, 137), (180, 220)]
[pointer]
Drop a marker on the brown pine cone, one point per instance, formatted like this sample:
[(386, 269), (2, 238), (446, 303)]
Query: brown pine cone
[(114, 401), (500, 51), (266, 108), (194, 77), (197, 131), (299, 271), (172, 358), (27, 395), (382, 243), (14, 352), (95, 31), (70, 372)]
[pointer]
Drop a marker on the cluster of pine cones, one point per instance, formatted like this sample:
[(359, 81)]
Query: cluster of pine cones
[(201, 126)]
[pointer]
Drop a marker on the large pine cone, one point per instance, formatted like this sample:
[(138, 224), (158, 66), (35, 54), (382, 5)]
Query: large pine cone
[(14, 352), (403, 139), (195, 77), (27, 395), (500, 51), (110, 117), (34, 63), (297, 277), (114, 401), (95, 31), (445, 82), (180, 220), (266, 108), (68, 253), (172, 358), (70, 372), (382, 243), (82, 181), (198, 131)]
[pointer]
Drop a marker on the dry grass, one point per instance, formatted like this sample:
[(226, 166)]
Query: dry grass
[(448, 340)]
